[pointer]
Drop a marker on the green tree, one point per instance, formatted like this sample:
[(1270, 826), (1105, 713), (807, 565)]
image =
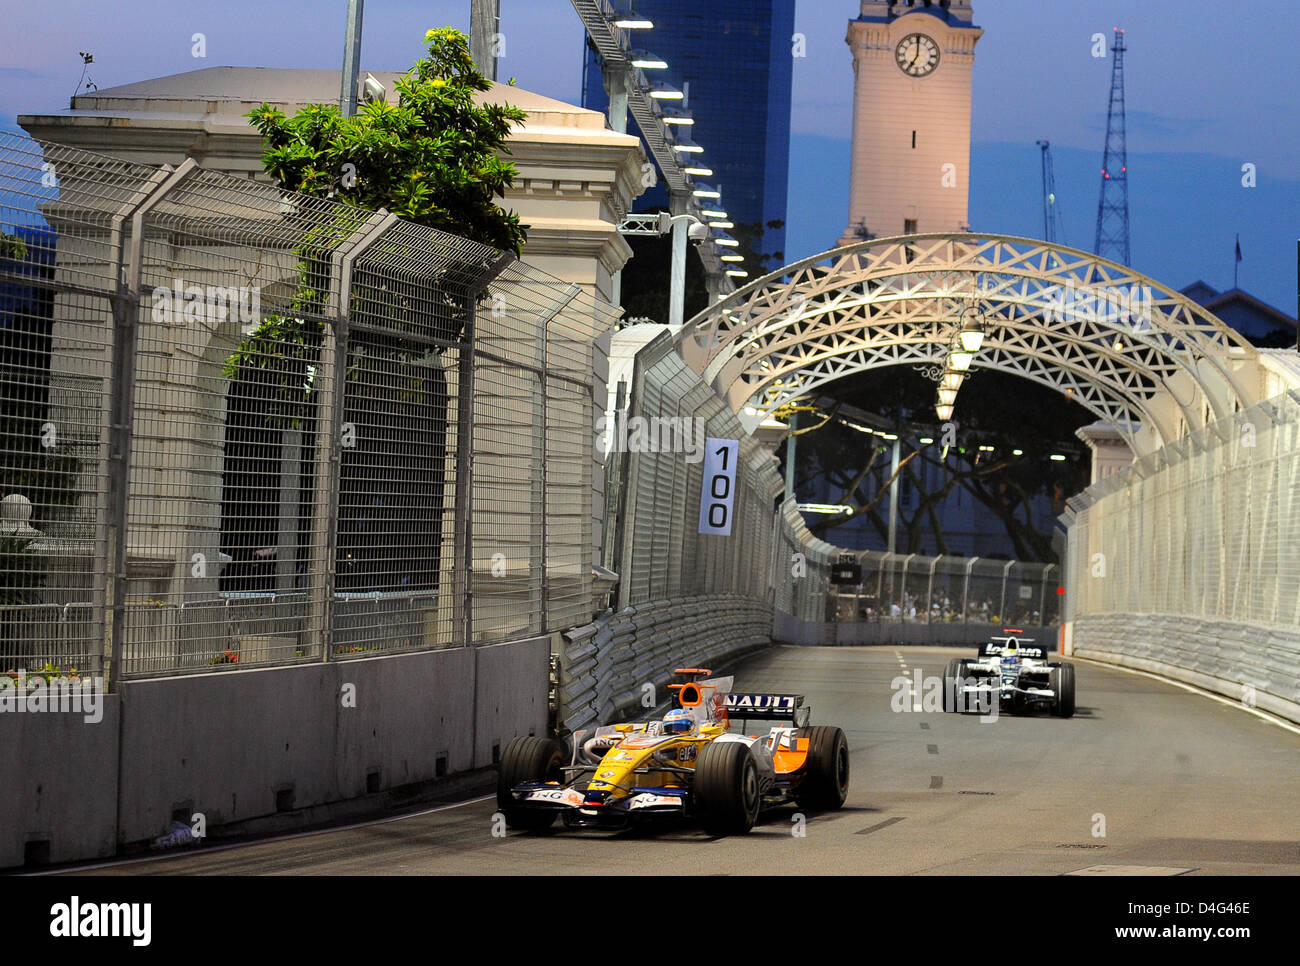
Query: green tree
[(751, 235), (433, 158)]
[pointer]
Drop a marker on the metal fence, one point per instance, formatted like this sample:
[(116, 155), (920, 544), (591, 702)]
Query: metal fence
[(660, 553), (913, 589), (1208, 526), (771, 557), (1188, 562), (243, 426)]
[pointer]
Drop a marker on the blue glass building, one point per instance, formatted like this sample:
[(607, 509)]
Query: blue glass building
[(736, 59)]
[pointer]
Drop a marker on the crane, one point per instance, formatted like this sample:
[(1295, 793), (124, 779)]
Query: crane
[(1053, 229)]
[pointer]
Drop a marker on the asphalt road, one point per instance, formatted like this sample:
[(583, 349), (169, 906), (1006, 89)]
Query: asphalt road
[(1186, 785)]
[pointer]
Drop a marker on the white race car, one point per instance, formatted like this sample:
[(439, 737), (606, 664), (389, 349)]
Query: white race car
[(1011, 674)]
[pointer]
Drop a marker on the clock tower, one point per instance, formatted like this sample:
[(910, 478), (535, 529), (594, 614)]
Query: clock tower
[(912, 63)]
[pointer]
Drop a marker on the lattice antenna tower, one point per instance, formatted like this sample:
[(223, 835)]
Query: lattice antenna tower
[(1112, 210)]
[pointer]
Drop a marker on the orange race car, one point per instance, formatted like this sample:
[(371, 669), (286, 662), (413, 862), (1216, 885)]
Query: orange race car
[(686, 765)]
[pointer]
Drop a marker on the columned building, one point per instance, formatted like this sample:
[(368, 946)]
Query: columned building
[(577, 179)]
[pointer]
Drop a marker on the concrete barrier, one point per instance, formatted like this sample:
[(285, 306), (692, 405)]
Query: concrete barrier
[(243, 745), (1258, 664), (58, 783)]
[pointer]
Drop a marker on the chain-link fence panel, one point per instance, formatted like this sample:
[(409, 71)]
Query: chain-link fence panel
[(63, 231), (259, 408)]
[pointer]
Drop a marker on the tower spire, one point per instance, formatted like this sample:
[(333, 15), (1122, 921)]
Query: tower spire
[(1112, 210)]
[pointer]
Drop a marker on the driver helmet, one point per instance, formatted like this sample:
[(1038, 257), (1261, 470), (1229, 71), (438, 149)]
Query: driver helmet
[(677, 721)]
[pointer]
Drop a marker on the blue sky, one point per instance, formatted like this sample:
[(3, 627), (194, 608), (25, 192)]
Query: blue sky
[(1208, 89)]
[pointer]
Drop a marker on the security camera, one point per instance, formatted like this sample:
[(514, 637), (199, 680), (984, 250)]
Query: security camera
[(374, 91), (698, 232)]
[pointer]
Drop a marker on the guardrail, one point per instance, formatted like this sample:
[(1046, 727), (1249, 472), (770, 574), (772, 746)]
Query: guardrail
[(620, 664)]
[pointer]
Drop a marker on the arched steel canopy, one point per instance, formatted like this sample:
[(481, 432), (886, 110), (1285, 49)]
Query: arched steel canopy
[(1131, 350)]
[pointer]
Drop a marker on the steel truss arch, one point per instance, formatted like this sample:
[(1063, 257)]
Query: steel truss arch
[(1127, 347)]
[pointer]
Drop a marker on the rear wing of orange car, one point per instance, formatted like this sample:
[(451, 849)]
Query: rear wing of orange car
[(750, 705)]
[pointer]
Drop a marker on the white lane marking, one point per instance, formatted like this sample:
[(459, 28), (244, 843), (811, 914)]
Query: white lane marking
[(287, 837), (1129, 870), (1264, 715)]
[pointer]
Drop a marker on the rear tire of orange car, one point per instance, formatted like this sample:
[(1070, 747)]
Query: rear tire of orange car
[(528, 759), (825, 785), (727, 794)]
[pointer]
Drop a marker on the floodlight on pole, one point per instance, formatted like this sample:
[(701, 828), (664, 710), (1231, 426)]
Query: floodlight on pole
[(631, 20), (666, 92), (646, 60)]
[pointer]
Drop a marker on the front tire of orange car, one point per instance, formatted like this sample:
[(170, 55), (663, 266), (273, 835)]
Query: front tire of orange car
[(528, 759)]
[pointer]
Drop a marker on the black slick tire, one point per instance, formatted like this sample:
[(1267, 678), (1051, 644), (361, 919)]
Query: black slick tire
[(726, 789), (528, 759), (1063, 707), (951, 678), (826, 780)]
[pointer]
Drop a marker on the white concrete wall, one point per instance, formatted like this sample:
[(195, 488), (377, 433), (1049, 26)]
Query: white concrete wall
[(1252, 663)]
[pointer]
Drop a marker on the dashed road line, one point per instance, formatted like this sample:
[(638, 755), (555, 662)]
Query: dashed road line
[(879, 825)]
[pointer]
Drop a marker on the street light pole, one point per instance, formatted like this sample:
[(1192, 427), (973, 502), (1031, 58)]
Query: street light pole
[(893, 496), (789, 457), (351, 59), (484, 23), (616, 87), (677, 284)]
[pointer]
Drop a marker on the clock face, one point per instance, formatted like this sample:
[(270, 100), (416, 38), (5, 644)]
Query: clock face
[(916, 55)]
